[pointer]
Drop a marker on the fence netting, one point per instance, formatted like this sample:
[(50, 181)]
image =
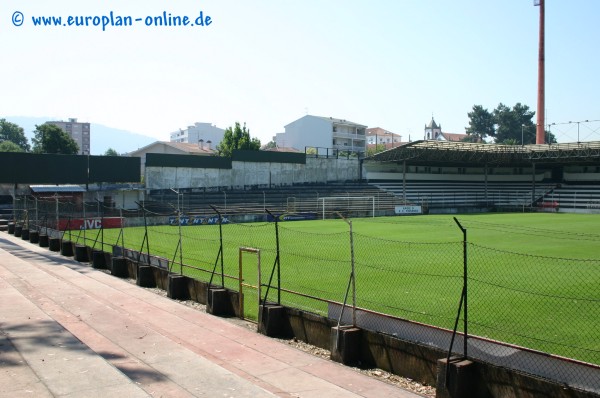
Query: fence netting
[(524, 310)]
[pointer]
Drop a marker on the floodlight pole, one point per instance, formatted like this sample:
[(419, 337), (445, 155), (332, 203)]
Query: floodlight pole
[(541, 101)]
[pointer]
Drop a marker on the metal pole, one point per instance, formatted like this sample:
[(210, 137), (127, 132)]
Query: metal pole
[(180, 241), (84, 220), (522, 143), (353, 276), (352, 272), (465, 288), (404, 182), (36, 212), (57, 220), (122, 228)]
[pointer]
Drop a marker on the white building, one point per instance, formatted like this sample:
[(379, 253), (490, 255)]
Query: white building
[(200, 132), (326, 134), (379, 136)]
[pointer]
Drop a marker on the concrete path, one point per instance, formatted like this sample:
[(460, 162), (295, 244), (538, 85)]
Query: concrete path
[(67, 330)]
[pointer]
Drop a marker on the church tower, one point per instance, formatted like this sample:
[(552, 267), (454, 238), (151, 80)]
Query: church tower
[(432, 130)]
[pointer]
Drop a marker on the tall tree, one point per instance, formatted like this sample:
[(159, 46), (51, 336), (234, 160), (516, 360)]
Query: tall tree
[(9, 146), (14, 133), (237, 138), (550, 138), (481, 124), (504, 124), (514, 124), (111, 152), (49, 138)]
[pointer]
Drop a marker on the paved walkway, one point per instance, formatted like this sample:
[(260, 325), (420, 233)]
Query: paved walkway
[(67, 330)]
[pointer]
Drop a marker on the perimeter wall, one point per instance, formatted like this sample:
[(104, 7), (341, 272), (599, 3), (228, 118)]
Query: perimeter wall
[(246, 169)]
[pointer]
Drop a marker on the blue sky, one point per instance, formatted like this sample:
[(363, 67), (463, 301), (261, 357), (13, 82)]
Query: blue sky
[(386, 63)]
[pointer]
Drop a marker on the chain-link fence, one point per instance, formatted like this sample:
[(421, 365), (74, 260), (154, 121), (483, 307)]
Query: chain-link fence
[(518, 310)]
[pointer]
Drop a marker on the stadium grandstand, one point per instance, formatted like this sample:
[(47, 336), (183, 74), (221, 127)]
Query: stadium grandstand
[(446, 176)]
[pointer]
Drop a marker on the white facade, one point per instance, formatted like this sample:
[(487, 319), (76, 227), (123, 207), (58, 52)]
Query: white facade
[(199, 131), (327, 135), (379, 136)]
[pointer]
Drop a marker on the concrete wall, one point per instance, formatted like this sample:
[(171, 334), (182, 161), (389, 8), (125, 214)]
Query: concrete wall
[(255, 174)]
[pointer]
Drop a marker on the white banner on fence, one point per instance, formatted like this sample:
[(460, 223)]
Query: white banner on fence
[(408, 210)]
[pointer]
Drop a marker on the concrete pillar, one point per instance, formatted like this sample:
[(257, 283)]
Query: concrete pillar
[(119, 267), (66, 248), (145, 276), (54, 244), (81, 254), (98, 259), (271, 318), (218, 302), (44, 240), (34, 236), (460, 381), (345, 344), (177, 287)]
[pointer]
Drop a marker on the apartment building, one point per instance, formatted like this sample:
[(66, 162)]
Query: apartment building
[(80, 132), (327, 135)]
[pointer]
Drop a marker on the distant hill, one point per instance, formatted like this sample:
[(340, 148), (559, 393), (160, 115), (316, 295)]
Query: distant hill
[(102, 138)]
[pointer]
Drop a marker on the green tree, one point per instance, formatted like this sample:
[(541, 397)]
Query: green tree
[(270, 145), (504, 124), (481, 124), (510, 141), (550, 138), (111, 152), (375, 149), (49, 138), (9, 146), (13, 133), (237, 138), (515, 123)]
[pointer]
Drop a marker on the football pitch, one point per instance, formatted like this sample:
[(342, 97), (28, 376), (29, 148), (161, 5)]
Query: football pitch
[(534, 278)]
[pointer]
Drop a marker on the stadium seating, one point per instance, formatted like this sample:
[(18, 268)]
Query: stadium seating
[(582, 197), (296, 198), (447, 194)]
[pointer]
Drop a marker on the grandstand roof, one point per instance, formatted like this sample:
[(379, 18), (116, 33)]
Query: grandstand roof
[(431, 151)]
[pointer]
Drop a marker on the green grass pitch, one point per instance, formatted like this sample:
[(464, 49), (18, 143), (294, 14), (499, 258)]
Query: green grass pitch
[(534, 278)]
